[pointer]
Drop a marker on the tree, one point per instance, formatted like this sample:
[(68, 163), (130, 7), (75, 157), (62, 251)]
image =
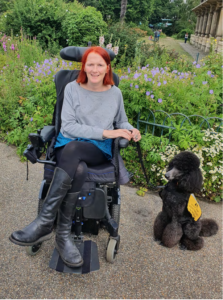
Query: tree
[(123, 10)]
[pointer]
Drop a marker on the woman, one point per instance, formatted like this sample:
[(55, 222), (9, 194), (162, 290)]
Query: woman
[(92, 104), (186, 37)]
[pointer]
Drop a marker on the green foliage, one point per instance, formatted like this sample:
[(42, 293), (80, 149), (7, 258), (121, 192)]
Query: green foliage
[(182, 33), (157, 153), (42, 19), (128, 39), (110, 10), (84, 27)]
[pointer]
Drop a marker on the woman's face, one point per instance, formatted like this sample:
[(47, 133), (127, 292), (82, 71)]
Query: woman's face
[(95, 68)]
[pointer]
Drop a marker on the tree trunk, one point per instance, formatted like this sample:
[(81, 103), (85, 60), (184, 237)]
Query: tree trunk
[(123, 10)]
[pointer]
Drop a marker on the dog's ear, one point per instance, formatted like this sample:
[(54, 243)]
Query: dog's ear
[(191, 182)]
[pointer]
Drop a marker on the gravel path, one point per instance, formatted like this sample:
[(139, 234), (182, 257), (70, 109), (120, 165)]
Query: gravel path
[(193, 51), (143, 268)]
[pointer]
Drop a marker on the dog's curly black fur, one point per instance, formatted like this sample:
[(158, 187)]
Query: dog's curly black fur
[(174, 223)]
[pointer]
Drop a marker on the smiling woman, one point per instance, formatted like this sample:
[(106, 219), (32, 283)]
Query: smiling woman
[(96, 72)]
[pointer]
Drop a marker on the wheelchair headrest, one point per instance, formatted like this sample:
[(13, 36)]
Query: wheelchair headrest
[(73, 53)]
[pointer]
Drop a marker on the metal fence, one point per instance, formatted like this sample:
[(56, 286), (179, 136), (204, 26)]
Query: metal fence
[(151, 121)]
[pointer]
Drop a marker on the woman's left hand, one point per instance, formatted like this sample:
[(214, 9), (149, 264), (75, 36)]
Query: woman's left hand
[(136, 136)]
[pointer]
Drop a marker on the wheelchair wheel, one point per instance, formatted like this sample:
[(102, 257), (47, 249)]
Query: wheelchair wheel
[(33, 250), (112, 250), (115, 213)]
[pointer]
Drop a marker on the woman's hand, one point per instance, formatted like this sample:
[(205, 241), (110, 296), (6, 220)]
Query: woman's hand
[(112, 134), (124, 133), (136, 136)]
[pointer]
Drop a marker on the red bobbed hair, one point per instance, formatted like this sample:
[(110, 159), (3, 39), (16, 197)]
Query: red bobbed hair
[(108, 79)]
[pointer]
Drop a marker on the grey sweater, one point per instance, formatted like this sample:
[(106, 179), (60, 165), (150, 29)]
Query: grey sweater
[(87, 114)]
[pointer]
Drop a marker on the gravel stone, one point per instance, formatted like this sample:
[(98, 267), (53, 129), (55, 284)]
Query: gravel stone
[(143, 269)]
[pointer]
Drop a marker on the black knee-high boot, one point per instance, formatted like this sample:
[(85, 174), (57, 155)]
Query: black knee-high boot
[(41, 228), (64, 244)]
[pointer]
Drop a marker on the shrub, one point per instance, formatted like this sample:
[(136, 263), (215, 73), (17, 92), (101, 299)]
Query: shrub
[(84, 27), (157, 153), (182, 33), (40, 18), (128, 39)]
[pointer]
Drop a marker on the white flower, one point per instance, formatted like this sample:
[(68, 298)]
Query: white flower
[(101, 40)]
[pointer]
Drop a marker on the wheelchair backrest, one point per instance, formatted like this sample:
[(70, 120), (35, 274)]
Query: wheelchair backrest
[(63, 77)]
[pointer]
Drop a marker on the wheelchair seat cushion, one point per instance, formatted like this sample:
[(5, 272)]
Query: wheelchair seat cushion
[(102, 174)]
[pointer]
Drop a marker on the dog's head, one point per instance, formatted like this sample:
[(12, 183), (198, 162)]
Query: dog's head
[(184, 170)]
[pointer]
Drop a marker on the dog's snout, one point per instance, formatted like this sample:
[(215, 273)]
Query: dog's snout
[(167, 175)]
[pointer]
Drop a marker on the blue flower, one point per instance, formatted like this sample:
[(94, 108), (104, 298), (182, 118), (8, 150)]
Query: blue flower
[(164, 82), (209, 72), (131, 84), (160, 100), (204, 82), (136, 86), (152, 96), (31, 119), (198, 66), (211, 92), (147, 93), (129, 71), (159, 84)]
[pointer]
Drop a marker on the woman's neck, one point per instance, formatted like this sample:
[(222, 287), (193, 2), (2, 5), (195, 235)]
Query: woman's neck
[(95, 87)]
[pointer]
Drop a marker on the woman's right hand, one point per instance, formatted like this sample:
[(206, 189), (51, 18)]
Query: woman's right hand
[(112, 134)]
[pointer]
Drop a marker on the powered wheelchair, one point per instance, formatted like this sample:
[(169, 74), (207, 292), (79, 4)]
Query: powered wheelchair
[(99, 200)]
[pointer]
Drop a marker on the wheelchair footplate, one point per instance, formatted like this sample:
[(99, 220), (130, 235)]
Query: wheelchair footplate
[(89, 253)]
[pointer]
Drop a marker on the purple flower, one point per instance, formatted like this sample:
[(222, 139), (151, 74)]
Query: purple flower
[(136, 86), (198, 66), (129, 71), (211, 92), (204, 82), (160, 100), (191, 82), (212, 76), (31, 119), (37, 80), (145, 76), (164, 82), (18, 56), (149, 79), (194, 63), (147, 93), (12, 47), (209, 72), (170, 94), (159, 84), (152, 96), (131, 84)]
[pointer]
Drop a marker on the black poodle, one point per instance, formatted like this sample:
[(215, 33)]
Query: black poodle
[(175, 223)]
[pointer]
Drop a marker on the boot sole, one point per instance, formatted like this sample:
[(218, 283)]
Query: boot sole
[(67, 263), (40, 240)]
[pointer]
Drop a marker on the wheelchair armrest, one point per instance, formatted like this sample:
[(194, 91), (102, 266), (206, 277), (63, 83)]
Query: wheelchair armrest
[(47, 133), (123, 143)]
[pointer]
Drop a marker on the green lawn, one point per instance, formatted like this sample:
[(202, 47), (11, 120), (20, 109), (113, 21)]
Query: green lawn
[(171, 43)]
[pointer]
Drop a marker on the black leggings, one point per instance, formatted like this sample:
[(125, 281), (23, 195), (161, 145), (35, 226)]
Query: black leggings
[(74, 157)]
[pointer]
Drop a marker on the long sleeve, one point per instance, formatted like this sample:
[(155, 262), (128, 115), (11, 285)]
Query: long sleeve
[(121, 120), (70, 126)]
